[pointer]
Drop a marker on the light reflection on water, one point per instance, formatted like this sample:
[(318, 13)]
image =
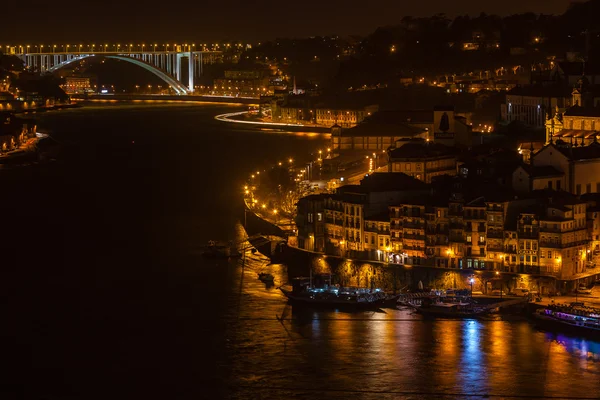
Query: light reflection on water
[(331, 354)]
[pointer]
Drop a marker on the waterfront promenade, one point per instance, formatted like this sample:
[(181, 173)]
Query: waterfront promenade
[(166, 98)]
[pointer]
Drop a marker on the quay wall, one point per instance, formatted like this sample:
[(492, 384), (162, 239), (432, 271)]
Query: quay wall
[(182, 98), (392, 277)]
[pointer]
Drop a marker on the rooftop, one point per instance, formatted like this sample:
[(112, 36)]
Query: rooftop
[(578, 111), (589, 152), (391, 181), (401, 116), (541, 171), (421, 149), (397, 129)]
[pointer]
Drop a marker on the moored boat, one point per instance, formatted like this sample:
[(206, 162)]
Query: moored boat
[(220, 250), (573, 318), (435, 307), (337, 297)]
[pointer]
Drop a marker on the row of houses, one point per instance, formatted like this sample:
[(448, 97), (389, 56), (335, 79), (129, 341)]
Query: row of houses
[(454, 224), (13, 132)]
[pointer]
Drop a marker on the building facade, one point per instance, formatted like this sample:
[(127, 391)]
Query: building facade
[(344, 117), (423, 160)]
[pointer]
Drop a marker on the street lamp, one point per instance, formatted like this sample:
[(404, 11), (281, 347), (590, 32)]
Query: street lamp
[(472, 281), (501, 284)]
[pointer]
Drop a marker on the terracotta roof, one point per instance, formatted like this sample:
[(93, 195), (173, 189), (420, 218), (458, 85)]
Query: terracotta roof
[(576, 133)]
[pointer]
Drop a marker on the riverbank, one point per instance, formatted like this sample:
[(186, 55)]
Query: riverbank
[(168, 99), (241, 117), (391, 276)]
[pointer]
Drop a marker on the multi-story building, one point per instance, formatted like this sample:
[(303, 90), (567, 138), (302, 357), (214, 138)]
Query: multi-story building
[(530, 104), (372, 137), (77, 84), (423, 160), (251, 83), (593, 223), (578, 124), (528, 177), (528, 229), (475, 233), (377, 236), (563, 238), (346, 117), (352, 205), (407, 227), (579, 167), (436, 232), (456, 227), (310, 221)]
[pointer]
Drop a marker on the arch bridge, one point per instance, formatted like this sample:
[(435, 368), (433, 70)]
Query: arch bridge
[(166, 62)]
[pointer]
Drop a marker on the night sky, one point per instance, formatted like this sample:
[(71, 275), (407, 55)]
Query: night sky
[(250, 20)]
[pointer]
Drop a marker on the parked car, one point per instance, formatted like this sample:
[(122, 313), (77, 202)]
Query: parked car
[(590, 264), (498, 293), (521, 292), (584, 290)]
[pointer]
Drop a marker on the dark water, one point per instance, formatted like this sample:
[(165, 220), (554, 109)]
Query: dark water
[(108, 295)]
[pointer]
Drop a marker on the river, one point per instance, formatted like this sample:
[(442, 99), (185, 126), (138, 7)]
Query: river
[(108, 295)]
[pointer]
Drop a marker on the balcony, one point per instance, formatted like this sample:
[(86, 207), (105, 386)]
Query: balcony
[(476, 217), (415, 248), (528, 234), (413, 225), (495, 234), (495, 248), (414, 236), (456, 239), (556, 245), (552, 229), (552, 245)]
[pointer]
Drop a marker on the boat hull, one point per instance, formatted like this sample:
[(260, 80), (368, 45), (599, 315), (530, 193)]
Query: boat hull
[(337, 304), (554, 325)]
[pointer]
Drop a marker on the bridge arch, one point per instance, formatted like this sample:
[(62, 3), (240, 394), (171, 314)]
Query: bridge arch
[(177, 86)]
